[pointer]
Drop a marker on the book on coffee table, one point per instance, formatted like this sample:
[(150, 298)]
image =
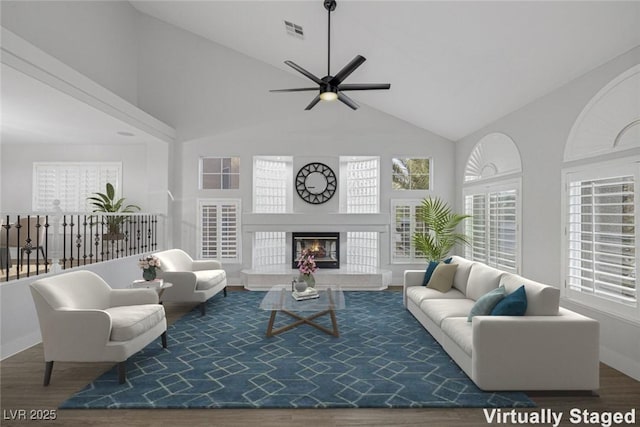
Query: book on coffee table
[(308, 293)]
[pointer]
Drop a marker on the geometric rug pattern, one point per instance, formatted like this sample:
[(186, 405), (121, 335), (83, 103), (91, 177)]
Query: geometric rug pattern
[(383, 359)]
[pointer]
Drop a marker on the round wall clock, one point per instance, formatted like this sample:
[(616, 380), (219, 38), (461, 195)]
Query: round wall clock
[(316, 183)]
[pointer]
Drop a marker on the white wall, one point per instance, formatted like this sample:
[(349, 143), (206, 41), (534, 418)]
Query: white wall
[(540, 131), (16, 178), (219, 104), (96, 38)]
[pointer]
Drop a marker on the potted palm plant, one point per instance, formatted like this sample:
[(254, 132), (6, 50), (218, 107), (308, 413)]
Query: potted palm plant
[(441, 235), (107, 203)]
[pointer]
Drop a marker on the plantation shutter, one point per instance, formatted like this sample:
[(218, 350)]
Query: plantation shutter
[(493, 226), (220, 229), (602, 237), (71, 184), (404, 224)]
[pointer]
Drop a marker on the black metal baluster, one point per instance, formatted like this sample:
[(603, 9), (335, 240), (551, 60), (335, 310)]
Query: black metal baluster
[(71, 241), (64, 242), (6, 227), (84, 240), (46, 244), (78, 240)]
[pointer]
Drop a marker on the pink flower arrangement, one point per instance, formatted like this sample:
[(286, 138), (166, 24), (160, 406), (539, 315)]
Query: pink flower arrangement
[(150, 262), (306, 263)]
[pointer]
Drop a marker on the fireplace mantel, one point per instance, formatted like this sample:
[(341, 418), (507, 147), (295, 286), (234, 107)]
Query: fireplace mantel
[(253, 222)]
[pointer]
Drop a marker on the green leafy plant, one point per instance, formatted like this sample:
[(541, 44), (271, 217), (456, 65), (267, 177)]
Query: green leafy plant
[(441, 224), (106, 202)]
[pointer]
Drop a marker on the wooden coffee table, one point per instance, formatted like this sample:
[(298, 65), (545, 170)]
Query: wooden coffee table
[(279, 299)]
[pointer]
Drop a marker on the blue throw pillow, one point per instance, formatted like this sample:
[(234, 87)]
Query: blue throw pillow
[(430, 269), (514, 304), (485, 304)]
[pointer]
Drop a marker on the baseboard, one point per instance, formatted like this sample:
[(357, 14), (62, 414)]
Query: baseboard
[(621, 363), (16, 346)]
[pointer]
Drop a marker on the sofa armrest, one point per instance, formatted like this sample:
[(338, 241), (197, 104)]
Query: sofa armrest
[(411, 278), (76, 335), (122, 297), (206, 264), (536, 352)]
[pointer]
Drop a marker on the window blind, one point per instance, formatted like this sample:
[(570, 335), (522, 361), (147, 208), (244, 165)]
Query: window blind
[(602, 238), (404, 224), (220, 229), (493, 228)]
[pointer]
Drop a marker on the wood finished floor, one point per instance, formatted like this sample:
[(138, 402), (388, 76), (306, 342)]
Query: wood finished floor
[(21, 388)]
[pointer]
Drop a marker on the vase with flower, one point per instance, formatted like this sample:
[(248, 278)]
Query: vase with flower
[(307, 266), (149, 266)]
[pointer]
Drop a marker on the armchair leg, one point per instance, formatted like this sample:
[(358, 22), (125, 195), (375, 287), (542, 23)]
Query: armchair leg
[(225, 291), (122, 372), (164, 339), (203, 308), (48, 367)]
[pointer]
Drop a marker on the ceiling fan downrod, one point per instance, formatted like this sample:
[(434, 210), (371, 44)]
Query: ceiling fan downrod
[(330, 5)]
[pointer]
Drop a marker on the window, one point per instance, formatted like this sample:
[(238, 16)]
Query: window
[(272, 193), (601, 236), (360, 193), (404, 225), (219, 173), (411, 173), (493, 228), (71, 184), (220, 229)]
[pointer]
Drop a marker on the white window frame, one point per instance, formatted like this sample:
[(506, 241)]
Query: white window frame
[(413, 204), (219, 203), (201, 173), (102, 172), (487, 188), (600, 170), (413, 190)]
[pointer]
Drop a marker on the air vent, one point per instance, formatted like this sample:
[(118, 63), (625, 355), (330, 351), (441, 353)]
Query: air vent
[(294, 30)]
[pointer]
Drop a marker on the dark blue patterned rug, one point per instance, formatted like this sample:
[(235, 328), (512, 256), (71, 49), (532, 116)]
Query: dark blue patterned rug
[(383, 359)]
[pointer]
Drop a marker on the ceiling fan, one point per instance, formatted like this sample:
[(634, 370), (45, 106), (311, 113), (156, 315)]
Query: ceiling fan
[(331, 87)]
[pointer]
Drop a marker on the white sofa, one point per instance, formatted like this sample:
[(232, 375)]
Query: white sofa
[(193, 280), (549, 348)]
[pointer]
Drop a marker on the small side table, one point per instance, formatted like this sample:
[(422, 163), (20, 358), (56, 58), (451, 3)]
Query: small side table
[(159, 285)]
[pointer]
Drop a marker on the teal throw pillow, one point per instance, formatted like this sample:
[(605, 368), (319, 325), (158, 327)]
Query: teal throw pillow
[(431, 268), (487, 302), (514, 304)]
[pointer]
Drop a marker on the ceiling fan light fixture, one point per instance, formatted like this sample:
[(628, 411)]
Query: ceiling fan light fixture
[(328, 95)]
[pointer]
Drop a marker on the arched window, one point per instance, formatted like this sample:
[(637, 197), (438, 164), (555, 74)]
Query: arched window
[(601, 200), (492, 198)]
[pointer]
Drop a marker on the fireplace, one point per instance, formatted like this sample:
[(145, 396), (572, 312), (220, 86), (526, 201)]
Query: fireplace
[(325, 247)]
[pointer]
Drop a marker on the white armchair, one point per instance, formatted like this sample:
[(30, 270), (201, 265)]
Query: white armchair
[(193, 280), (83, 320)]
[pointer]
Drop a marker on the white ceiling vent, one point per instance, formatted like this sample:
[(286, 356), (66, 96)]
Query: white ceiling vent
[(294, 30)]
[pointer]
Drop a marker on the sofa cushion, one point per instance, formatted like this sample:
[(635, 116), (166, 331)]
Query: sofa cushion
[(128, 322), (485, 304), (514, 304), (542, 300), (417, 294), (439, 309), (460, 332), (430, 269), (442, 277), (482, 279), (207, 279), (462, 273)]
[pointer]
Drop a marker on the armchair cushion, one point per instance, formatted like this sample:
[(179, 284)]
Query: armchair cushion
[(128, 322), (207, 279)]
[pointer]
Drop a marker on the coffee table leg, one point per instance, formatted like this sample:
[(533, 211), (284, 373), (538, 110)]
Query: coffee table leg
[(270, 325), (334, 323)]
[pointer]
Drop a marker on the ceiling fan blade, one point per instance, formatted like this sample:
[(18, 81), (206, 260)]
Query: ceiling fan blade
[(365, 86), (348, 101), (347, 70), (299, 89), (313, 103), (304, 72)]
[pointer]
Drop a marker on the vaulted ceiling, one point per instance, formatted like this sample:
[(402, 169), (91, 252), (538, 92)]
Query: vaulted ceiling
[(453, 66)]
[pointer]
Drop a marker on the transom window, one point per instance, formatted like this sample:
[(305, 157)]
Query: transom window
[(411, 173), (219, 173)]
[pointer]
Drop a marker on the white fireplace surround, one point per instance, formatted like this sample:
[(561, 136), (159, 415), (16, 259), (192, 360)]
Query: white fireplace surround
[(347, 277)]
